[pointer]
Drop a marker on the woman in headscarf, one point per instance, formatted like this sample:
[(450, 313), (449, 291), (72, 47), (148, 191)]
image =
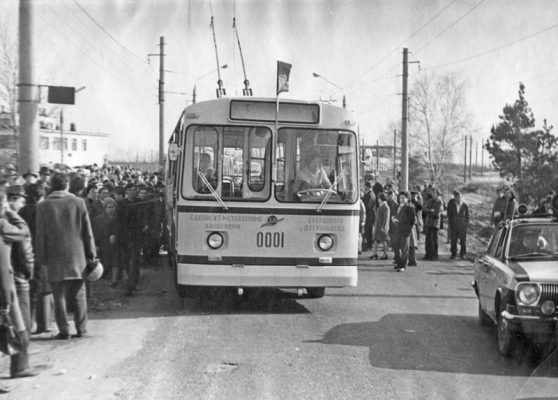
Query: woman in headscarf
[(104, 231)]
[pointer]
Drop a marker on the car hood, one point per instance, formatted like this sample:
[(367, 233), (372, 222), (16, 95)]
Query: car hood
[(539, 271)]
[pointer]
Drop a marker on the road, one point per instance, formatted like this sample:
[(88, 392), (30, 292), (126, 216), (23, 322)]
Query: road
[(410, 335)]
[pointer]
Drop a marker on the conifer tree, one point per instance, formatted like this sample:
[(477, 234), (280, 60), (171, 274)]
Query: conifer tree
[(523, 154)]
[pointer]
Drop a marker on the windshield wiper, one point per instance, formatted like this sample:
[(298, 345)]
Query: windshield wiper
[(212, 191), (329, 193)]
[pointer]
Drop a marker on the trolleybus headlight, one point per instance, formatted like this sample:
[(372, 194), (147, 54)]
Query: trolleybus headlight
[(215, 240), (325, 242), (528, 294)]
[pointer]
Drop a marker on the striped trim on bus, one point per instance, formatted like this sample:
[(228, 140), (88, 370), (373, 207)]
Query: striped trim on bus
[(230, 260), (265, 211)]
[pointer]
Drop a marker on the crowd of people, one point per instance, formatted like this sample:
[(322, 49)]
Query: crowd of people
[(56, 227), (394, 220)]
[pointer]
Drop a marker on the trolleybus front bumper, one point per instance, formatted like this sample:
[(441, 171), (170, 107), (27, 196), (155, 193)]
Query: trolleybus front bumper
[(266, 275)]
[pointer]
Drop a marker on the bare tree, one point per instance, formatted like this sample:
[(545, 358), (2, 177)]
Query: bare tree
[(8, 81), (8, 69), (438, 118)]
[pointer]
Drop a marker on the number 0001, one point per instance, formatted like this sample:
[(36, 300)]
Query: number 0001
[(269, 239)]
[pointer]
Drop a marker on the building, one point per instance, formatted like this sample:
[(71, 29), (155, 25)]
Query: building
[(70, 147)]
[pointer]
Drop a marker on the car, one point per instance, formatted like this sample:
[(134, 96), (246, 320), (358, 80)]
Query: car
[(516, 281)]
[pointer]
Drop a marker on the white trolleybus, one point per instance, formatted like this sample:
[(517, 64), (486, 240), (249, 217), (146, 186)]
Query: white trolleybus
[(260, 198)]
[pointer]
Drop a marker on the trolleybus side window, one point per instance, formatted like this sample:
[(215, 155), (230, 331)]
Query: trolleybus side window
[(260, 143), (205, 163), (315, 164)]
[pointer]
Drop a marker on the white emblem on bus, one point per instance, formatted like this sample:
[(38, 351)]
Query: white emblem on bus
[(271, 220)]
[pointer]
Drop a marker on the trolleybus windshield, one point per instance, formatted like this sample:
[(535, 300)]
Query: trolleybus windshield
[(313, 164)]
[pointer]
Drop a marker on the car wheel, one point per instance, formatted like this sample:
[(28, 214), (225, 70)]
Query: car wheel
[(507, 339), (484, 319), (315, 292)]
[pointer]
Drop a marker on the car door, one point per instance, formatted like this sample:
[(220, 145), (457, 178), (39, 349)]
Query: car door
[(482, 268), (494, 272)]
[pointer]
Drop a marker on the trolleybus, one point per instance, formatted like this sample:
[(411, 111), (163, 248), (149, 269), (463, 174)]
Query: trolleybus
[(263, 194)]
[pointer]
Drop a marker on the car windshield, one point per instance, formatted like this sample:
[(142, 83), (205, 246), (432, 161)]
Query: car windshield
[(534, 240)]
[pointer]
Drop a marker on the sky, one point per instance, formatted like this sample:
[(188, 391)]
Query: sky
[(356, 45)]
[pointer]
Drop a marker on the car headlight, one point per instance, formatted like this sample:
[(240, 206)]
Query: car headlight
[(528, 294), (325, 242), (215, 240)]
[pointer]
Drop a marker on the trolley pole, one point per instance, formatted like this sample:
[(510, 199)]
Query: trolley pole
[(404, 184), (27, 93)]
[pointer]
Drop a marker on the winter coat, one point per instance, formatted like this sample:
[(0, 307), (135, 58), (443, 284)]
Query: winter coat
[(433, 209), (9, 233), (406, 218), (381, 225), (64, 238)]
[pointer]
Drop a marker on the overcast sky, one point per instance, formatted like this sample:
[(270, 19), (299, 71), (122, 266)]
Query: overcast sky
[(103, 45)]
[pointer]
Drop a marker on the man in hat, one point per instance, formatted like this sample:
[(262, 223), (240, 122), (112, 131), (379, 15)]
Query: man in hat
[(44, 176), (458, 221), (30, 178), (65, 245), (23, 267)]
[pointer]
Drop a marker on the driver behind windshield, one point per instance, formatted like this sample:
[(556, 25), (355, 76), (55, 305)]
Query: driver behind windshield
[(531, 242), (312, 175)]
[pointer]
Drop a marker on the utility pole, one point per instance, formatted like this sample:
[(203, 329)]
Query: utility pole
[(394, 153), (476, 154), (404, 184), (465, 160), (161, 56), (61, 135), (28, 92), (377, 159), (162, 104), (470, 155), (482, 159)]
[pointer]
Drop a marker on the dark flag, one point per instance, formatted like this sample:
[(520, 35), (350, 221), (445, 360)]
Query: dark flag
[(283, 72)]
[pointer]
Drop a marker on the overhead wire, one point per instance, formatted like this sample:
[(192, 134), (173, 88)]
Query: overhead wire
[(398, 47), (141, 60), (450, 26), (494, 49), (79, 18)]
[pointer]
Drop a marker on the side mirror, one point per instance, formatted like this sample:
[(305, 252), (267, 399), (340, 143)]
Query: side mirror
[(174, 151)]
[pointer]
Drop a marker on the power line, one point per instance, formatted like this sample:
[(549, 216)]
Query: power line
[(121, 57), (495, 48), (108, 34), (451, 26), (398, 47)]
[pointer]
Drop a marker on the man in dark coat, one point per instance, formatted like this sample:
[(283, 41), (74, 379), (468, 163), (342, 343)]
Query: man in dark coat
[(65, 244), (458, 220), (499, 206), (433, 209), (393, 207), (404, 223), (369, 200), (23, 266)]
